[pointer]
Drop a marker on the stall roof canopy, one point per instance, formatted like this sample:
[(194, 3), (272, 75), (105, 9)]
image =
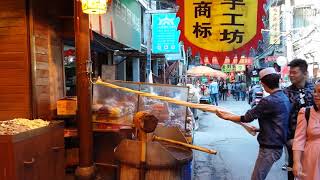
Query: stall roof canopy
[(137, 54), (102, 44), (107, 43)]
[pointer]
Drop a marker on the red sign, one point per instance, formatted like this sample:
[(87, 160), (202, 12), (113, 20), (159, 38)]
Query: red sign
[(271, 59)]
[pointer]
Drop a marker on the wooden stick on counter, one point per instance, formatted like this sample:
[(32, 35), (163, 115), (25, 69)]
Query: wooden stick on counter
[(209, 151)]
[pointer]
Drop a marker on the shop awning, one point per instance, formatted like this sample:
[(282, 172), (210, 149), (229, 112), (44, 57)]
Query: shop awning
[(100, 44), (106, 43), (137, 54)]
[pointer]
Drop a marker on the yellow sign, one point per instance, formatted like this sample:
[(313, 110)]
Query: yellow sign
[(220, 27)]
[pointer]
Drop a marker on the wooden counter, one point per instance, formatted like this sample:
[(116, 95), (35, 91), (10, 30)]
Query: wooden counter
[(34, 155)]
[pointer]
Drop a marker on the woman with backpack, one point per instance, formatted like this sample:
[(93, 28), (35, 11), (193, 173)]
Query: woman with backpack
[(306, 143)]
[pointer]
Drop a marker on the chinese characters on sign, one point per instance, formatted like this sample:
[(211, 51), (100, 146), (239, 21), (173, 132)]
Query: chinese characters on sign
[(233, 3), (236, 35), (274, 20), (202, 9), (126, 14), (227, 68), (220, 28), (204, 29)]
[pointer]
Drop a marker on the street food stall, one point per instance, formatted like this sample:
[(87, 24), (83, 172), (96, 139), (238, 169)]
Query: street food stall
[(113, 119), (114, 109)]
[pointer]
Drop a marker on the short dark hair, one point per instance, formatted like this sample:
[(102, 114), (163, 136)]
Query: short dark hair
[(271, 81), (301, 63)]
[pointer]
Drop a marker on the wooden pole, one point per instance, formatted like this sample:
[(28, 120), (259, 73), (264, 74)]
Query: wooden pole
[(209, 151), (143, 156), (84, 118)]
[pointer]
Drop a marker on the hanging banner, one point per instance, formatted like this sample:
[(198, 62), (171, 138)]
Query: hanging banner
[(274, 23), (220, 27)]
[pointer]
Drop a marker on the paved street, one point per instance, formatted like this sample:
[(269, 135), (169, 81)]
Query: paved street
[(237, 150)]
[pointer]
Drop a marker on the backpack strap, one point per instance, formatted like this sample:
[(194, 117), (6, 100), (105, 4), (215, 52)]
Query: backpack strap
[(307, 114)]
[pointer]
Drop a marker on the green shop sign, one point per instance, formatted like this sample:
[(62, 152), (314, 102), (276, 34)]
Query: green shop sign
[(165, 36), (122, 23), (226, 68), (240, 68)]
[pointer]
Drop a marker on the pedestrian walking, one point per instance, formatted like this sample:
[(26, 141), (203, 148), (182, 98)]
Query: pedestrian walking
[(243, 89), (229, 88), (220, 90), (203, 89), (233, 90), (300, 95), (272, 113), (306, 143), (213, 91), (224, 90), (237, 89)]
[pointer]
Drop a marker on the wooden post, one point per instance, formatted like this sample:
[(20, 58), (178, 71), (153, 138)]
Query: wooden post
[(143, 156), (84, 118)]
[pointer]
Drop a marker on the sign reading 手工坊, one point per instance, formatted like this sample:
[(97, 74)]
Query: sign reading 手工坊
[(220, 27)]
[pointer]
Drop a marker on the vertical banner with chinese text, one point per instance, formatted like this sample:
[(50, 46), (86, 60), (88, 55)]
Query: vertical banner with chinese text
[(274, 23)]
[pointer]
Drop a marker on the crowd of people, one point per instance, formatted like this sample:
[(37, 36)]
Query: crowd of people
[(220, 90), (288, 118)]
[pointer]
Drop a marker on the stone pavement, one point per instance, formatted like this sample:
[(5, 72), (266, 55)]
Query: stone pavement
[(237, 149)]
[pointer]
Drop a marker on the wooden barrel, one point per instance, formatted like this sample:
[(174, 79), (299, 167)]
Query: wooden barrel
[(130, 173), (163, 161)]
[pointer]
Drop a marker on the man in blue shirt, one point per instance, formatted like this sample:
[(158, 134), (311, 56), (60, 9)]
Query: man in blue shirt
[(272, 113), (214, 90)]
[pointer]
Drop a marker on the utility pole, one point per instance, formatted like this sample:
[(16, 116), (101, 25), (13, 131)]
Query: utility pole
[(289, 32), (149, 35), (149, 29)]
